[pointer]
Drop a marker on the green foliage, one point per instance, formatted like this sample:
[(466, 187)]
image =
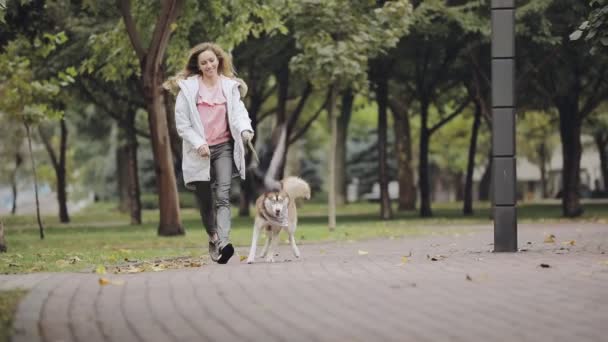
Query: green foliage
[(595, 28), (536, 129), (337, 38), (22, 94)]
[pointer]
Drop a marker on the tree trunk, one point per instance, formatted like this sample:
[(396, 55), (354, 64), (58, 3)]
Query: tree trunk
[(59, 168), (601, 141), (38, 218), (382, 99), (134, 192), (62, 196), (14, 189), (122, 178), (458, 186), (542, 156), (570, 133), (331, 186), (176, 141), (424, 182), (486, 180), (151, 59), (168, 200), (403, 147), (341, 148), (467, 209), (247, 194)]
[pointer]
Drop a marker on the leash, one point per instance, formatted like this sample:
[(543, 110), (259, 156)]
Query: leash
[(253, 152)]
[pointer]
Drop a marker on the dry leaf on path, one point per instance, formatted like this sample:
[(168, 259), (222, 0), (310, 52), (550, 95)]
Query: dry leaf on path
[(361, 252), (436, 257), (403, 259), (605, 262), (106, 281), (242, 257), (469, 278), (571, 243), (550, 238)]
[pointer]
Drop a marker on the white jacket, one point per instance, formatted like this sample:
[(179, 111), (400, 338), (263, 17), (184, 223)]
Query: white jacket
[(190, 128)]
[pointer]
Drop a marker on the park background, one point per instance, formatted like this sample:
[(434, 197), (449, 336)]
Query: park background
[(392, 98)]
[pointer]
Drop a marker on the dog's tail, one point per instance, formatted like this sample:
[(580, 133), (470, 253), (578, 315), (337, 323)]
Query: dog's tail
[(296, 187)]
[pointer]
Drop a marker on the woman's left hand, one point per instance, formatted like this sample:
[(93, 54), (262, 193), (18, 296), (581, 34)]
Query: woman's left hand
[(246, 135)]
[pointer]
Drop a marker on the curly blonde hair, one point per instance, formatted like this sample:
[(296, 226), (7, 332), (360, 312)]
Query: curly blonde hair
[(225, 66)]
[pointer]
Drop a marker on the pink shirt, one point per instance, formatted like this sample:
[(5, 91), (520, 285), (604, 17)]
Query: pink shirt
[(211, 105)]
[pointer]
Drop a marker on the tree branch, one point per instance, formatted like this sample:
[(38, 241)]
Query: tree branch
[(162, 31), (450, 117), (121, 120), (596, 98), (63, 144), (307, 125), (46, 141), (295, 115), (266, 114), (125, 9)]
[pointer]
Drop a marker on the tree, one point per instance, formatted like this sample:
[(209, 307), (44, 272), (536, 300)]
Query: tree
[(11, 152), (59, 165), (575, 85), (336, 39), (25, 97), (152, 77), (595, 28), (597, 125), (536, 141)]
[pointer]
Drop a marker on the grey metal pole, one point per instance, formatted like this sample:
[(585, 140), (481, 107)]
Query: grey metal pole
[(503, 123)]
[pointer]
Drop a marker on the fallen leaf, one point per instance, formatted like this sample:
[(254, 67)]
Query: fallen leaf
[(403, 259), (242, 257), (436, 257), (571, 243), (550, 239), (545, 265), (101, 269), (322, 251), (469, 278), (363, 252), (605, 262), (106, 281)]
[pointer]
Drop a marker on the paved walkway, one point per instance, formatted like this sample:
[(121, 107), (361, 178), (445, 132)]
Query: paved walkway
[(359, 291)]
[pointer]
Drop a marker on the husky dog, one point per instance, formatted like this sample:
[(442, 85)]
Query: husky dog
[(276, 210)]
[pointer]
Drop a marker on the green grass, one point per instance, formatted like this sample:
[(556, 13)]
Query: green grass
[(100, 235), (8, 305)]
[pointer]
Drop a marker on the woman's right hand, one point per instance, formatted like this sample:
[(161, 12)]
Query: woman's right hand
[(203, 151)]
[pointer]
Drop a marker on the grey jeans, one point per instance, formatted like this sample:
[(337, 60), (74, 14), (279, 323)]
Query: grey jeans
[(214, 196)]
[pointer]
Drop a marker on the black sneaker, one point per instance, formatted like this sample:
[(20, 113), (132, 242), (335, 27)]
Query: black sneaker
[(225, 254), (214, 250)]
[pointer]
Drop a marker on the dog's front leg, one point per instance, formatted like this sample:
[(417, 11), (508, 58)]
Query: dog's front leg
[(257, 226), (292, 241), (273, 245), (266, 244)]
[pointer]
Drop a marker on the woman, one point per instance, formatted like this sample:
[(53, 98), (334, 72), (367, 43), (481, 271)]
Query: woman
[(214, 126)]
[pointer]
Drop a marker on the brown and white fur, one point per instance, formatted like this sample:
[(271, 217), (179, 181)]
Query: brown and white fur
[(271, 205)]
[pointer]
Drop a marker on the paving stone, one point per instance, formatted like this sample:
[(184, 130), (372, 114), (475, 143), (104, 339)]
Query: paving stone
[(335, 294)]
